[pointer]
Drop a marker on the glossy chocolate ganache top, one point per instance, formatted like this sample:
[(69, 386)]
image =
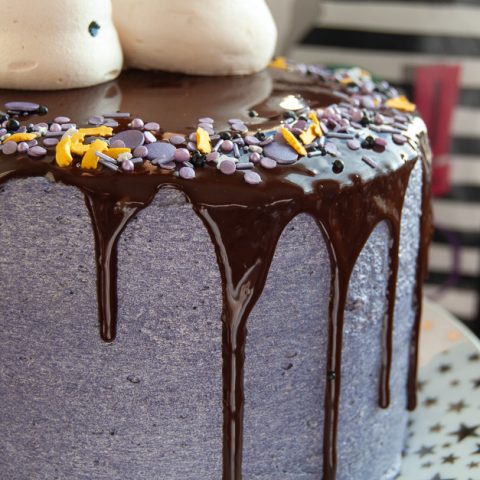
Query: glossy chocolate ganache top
[(249, 153)]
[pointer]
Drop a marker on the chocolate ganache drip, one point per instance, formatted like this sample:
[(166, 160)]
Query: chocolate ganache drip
[(274, 145)]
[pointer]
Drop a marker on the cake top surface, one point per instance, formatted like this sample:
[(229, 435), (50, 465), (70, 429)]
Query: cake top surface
[(283, 133)]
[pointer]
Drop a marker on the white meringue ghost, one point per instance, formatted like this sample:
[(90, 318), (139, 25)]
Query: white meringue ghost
[(57, 44), (204, 37)]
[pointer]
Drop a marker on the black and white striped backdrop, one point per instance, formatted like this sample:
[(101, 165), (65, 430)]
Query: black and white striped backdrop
[(392, 39)]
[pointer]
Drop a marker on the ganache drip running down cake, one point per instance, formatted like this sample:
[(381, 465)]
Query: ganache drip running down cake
[(292, 203)]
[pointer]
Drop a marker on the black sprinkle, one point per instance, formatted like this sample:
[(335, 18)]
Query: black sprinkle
[(42, 110), (365, 121), (289, 115), (337, 166), (4, 117), (225, 135), (198, 160), (13, 125), (369, 142), (93, 29), (252, 113), (261, 136), (331, 376)]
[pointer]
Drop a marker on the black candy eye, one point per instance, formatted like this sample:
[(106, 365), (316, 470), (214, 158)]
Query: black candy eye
[(93, 28)]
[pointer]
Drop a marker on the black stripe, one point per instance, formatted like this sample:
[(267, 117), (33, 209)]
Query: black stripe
[(467, 97), (466, 145), (463, 193), (466, 239), (464, 282), (429, 44)]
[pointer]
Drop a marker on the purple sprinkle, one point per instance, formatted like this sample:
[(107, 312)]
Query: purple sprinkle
[(22, 129), (253, 178), (188, 164), (367, 102), (239, 127), (149, 137), (192, 146), (22, 147), (331, 148), (136, 160), (118, 143), (378, 119), (268, 163), (141, 151), (193, 137), (177, 139), (251, 140), (131, 138), (255, 157), (400, 126), (37, 151), (54, 134), (208, 128), (165, 165), (353, 144), (218, 145), (380, 144), (96, 120), (399, 139), (55, 127), (187, 173), (226, 146), (128, 166), (206, 120), (105, 157), (50, 142), (212, 157), (245, 165), (154, 126), (227, 167), (161, 151), (32, 143), (281, 152), (315, 153), (68, 126), (235, 120), (401, 118), (236, 151), (239, 141), (22, 106), (369, 161), (205, 126), (137, 123), (340, 135), (3, 131), (110, 123), (117, 115), (267, 141), (182, 155), (356, 125), (61, 119)]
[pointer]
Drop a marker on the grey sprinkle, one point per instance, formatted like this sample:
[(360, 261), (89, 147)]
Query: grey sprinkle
[(117, 115), (315, 153), (110, 123), (239, 141), (96, 120), (346, 136), (245, 166), (236, 151), (217, 145), (375, 128), (387, 129), (255, 148), (188, 164), (54, 134), (106, 157), (321, 142), (369, 161), (400, 126), (161, 161), (214, 137), (68, 126), (109, 165), (136, 160)]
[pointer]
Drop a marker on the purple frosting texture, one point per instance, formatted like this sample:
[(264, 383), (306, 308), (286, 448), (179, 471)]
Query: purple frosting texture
[(148, 406)]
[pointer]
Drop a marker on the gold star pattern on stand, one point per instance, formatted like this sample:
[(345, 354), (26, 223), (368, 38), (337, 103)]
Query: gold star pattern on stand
[(424, 450), (436, 428), (444, 368), (457, 407), (473, 465), (430, 401), (465, 431), (450, 459), (476, 383), (438, 477), (474, 357)]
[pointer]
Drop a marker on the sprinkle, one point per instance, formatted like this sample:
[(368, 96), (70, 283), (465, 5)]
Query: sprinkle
[(240, 127), (177, 139), (187, 173), (226, 166), (212, 157), (182, 155), (117, 115), (166, 165), (255, 148), (23, 147), (203, 141), (369, 161), (141, 151), (50, 142), (236, 151), (32, 143), (61, 119), (54, 134), (380, 144), (331, 148), (9, 148), (105, 157), (137, 123), (22, 137), (22, 106), (118, 152), (37, 151), (128, 166), (337, 166), (245, 165), (239, 141), (293, 142), (400, 103), (313, 117), (192, 146), (149, 137), (154, 126), (63, 154), (109, 165), (267, 141), (353, 144), (68, 126), (310, 135), (400, 126), (340, 135), (91, 157), (55, 127), (253, 178), (232, 121), (110, 123), (255, 157), (161, 150), (268, 163), (206, 120), (315, 153), (279, 63), (399, 139), (136, 160), (96, 120), (193, 137), (219, 144), (122, 157), (251, 140)]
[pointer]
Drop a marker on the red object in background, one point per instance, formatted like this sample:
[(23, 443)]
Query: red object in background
[(436, 94)]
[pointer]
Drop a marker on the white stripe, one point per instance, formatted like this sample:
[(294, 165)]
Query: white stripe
[(403, 17), (392, 66), (465, 170), (460, 302), (466, 122), (456, 215), (441, 259)]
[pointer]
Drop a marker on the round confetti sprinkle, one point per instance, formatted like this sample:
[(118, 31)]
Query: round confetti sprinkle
[(212, 157), (32, 143), (50, 142), (153, 126), (149, 137), (399, 139), (177, 139), (131, 138), (141, 151), (9, 148), (117, 144), (281, 152), (353, 144), (268, 163), (96, 120), (235, 120), (137, 123), (251, 140), (331, 148), (37, 151), (187, 173), (128, 166), (239, 127), (166, 165), (253, 178), (182, 155), (267, 141), (192, 146), (226, 146), (22, 147), (22, 106), (206, 120), (255, 157), (380, 144), (161, 150), (68, 126), (193, 137), (109, 122), (227, 167), (12, 125), (61, 119)]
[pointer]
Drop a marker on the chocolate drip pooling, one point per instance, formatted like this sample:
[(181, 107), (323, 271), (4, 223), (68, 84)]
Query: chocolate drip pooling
[(245, 223)]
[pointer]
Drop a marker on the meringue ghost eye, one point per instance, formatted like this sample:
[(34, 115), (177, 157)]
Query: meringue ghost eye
[(93, 28)]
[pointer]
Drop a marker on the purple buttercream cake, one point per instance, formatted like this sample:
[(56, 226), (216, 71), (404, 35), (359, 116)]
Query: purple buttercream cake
[(252, 249)]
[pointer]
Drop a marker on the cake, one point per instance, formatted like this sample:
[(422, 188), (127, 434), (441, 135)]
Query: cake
[(253, 250)]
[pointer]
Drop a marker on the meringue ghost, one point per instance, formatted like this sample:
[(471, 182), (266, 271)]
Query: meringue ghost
[(203, 37), (58, 44)]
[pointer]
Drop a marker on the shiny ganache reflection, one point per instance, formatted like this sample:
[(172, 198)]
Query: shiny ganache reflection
[(244, 221)]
